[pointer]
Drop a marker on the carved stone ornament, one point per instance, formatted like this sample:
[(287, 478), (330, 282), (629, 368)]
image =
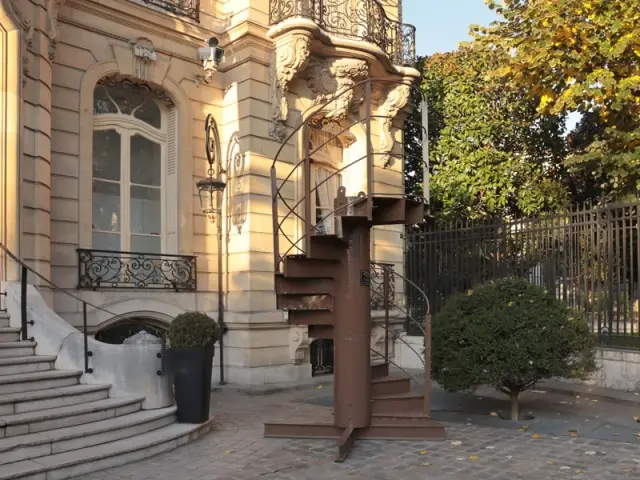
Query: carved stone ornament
[(298, 344), (26, 25), (332, 76), (53, 7), (144, 53), (396, 99), (290, 57), (377, 339)]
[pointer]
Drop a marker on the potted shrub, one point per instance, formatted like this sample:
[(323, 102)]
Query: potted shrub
[(192, 337)]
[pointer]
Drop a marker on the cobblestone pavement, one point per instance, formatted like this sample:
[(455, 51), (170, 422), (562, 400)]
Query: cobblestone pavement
[(236, 450)]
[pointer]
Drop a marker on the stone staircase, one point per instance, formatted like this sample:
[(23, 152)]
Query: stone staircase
[(54, 427)]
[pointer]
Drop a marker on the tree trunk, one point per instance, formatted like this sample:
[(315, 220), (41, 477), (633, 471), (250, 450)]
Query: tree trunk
[(514, 405)]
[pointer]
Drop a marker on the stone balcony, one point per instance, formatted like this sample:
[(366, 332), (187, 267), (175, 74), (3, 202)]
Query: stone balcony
[(359, 20)]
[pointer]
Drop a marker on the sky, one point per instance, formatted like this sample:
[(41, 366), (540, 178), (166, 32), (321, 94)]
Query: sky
[(442, 24)]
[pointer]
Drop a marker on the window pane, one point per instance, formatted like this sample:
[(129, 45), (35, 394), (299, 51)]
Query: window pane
[(102, 103), (106, 206), (146, 210), (149, 113), (106, 154), (145, 244), (106, 241), (126, 98), (146, 165)]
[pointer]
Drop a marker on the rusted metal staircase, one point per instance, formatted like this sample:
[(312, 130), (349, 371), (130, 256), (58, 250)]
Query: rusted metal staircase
[(322, 281)]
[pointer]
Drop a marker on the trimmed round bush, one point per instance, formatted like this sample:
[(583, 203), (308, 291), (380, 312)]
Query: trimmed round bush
[(193, 330), (508, 334)]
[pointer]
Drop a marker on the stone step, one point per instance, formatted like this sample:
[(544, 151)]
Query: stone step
[(9, 334), (17, 349), (26, 447), (61, 417), (4, 319), (25, 382), (15, 365), (23, 402), (107, 455)]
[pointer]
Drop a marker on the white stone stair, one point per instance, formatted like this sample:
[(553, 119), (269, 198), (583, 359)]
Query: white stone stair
[(54, 427), (12, 366)]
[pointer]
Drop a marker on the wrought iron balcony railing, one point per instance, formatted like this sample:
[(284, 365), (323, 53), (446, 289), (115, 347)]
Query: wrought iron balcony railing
[(355, 19), (184, 8), (108, 269)]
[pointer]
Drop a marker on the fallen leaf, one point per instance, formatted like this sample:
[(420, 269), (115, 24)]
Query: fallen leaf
[(637, 419), (460, 459), (456, 443), (552, 462), (423, 452), (509, 457), (636, 393), (579, 470), (319, 387), (473, 458), (426, 464), (493, 414), (228, 451), (590, 453), (573, 433), (523, 428), (565, 468), (491, 448), (636, 460), (536, 436), (628, 470)]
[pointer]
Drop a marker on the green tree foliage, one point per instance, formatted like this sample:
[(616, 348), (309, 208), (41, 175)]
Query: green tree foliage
[(492, 152), (413, 165), (508, 334), (577, 55)]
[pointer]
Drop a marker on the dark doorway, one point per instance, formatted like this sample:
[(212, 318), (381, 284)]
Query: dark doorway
[(117, 333), (321, 351)]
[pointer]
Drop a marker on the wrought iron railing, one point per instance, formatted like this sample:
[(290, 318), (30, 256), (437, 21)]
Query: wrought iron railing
[(356, 19), (184, 8), (108, 269)]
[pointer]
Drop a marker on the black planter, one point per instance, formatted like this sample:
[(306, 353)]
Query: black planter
[(191, 371)]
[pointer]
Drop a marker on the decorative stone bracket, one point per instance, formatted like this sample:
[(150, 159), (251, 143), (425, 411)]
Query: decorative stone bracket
[(144, 53), (330, 77), (291, 54), (396, 99), (298, 344), (53, 7)]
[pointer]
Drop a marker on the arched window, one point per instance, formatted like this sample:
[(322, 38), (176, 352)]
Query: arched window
[(133, 131)]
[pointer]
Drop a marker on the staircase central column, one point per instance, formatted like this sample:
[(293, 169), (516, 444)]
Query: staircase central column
[(352, 332)]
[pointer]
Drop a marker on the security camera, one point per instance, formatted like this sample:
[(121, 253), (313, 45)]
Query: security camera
[(211, 55)]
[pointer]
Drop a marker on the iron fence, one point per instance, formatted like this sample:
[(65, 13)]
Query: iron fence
[(589, 257)]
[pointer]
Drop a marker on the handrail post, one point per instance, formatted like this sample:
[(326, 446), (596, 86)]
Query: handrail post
[(274, 219), (308, 225), (386, 278), (23, 303), (367, 112), (87, 352)]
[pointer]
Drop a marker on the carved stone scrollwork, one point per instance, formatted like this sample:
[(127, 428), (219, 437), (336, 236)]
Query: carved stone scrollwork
[(26, 25), (290, 57), (53, 7), (144, 53), (329, 78), (396, 99), (298, 344)]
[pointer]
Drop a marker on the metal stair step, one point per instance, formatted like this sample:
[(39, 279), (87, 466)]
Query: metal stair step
[(390, 385), (311, 317), (25, 447), (22, 402), (304, 302), (400, 402), (106, 455), (321, 331), (55, 418), (327, 247), (302, 267), (304, 286), (9, 334), (17, 349), (16, 365), (24, 382)]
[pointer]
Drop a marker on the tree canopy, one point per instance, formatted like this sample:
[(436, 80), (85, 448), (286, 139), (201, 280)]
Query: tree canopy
[(584, 56)]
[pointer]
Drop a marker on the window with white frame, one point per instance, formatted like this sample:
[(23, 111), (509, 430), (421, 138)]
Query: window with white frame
[(133, 168)]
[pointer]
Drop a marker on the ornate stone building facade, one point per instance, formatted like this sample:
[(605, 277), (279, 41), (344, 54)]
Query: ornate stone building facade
[(102, 141)]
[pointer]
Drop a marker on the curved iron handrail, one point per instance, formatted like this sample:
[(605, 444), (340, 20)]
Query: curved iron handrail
[(354, 19)]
